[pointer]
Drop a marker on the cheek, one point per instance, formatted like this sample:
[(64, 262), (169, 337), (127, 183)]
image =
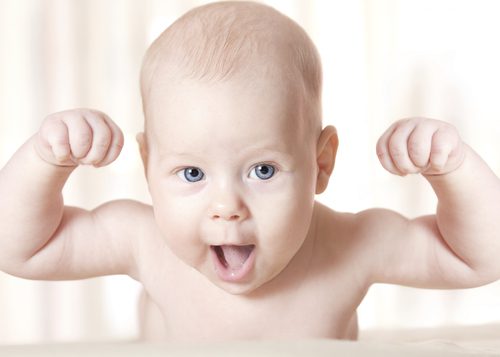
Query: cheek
[(286, 216), (176, 219)]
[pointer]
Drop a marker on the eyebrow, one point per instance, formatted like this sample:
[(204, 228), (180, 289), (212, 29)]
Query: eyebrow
[(265, 150), (246, 152)]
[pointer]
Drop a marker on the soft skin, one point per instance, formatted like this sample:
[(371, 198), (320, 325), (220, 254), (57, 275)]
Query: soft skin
[(204, 126), (236, 162), (317, 281)]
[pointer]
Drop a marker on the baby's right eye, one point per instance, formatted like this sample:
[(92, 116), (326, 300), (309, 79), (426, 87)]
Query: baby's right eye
[(191, 174)]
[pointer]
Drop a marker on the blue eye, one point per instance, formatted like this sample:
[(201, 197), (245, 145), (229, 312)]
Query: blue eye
[(262, 172), (191, 174)]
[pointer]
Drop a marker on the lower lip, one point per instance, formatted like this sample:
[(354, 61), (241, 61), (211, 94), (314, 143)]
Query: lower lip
[(228, 275)]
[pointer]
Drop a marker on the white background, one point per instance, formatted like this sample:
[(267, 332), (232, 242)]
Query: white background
[(382, 60)]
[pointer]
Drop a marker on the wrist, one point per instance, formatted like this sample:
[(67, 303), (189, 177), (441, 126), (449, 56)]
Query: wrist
[(459, 179), (46, 172)]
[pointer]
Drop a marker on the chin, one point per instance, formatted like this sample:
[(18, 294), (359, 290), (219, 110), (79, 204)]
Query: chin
[(243, 288), (237, 288)]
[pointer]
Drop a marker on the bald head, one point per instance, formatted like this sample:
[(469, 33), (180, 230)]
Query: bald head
[(226, 40)]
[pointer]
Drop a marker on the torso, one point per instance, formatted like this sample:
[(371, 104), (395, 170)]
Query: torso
[(313, 299)]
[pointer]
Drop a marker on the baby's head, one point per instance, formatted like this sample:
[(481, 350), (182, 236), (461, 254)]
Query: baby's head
[(233, 147)]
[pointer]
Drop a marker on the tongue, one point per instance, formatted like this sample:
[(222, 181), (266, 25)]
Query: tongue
[(236, 255)]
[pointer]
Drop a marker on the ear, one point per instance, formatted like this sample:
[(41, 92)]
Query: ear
[(143, 149), (326, 152)]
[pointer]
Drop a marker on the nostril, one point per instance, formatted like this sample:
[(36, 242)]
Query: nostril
[(233, 217)]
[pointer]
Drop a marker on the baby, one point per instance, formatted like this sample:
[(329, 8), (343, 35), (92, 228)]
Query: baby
[(234, 245)]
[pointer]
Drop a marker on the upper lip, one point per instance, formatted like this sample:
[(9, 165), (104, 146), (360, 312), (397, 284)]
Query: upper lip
[(235, 240), (230, 235), (229, 243)]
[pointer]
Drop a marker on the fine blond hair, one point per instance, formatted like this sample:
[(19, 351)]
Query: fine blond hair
[(217, 41)]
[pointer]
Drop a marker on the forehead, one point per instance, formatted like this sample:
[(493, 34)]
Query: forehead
[(231, 113)]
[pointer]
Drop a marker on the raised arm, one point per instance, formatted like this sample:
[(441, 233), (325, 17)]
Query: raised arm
[(40, 238), (459, 246)]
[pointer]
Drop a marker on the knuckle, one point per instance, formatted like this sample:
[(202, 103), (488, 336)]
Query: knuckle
[(59, 140), (381, 154), (396, 150), (401, 121), (440, 148), (49, 119), (415, 149), (380, 149), (51, 124), (83, 138), (119, 145), (418, 120), (102, 142), (93, 112), (450, 130), (95, 115), (117, 139), (102, 136), (409, 120), (54, 136), (48, 132), (71, 114)]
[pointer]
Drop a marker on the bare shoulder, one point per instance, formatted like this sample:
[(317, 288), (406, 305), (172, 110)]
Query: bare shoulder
[(390, 248), (359, 240), (130, 219), (376, 222), (357, 228), (131, 213), (131, 223), (149, 251), (338, 235)]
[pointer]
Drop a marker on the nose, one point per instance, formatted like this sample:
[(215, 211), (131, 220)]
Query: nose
[(228, 205)]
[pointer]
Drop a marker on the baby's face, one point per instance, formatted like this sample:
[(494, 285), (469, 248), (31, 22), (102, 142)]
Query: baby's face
[(232, 175)]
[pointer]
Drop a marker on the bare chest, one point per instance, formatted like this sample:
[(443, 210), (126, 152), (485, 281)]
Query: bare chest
[(315, 296), (200, 311)]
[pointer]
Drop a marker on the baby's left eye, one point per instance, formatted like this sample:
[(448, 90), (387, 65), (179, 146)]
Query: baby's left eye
[(191, 174), (262, 172)]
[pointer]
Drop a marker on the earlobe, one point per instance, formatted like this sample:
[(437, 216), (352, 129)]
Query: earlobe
[(143, 149), (328, 143)]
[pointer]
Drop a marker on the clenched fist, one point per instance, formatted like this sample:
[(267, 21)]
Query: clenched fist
[(419, 145), (79, 136)]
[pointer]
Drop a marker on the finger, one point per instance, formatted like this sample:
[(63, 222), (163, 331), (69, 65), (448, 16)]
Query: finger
[(101, 137), (420, 142), (80, 134), (116, 144), (55, 134), (383, 151), (443, 142), (398, 147)]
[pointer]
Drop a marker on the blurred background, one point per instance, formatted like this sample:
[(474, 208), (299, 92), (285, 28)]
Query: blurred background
[(382, 60)]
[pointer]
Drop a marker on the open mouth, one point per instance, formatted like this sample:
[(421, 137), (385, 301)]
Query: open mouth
[(233, 262)]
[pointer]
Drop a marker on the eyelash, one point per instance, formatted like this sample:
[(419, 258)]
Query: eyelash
[(181, 173), (274, 170)]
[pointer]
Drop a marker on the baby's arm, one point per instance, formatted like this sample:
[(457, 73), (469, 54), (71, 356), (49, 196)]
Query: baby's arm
[(459, 246), (40, 238)]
